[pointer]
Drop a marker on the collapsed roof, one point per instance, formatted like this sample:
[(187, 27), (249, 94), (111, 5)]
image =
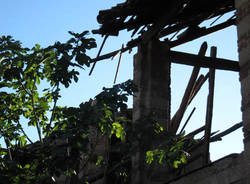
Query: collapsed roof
[(160, 18), (175, 21)]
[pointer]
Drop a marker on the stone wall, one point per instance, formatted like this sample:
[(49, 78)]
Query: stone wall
[(152, 77), (227, 170)]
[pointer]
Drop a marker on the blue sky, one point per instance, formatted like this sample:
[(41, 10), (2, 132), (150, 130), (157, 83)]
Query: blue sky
[(47, 21)]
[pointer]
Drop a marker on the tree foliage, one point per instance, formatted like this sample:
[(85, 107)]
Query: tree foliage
[(30, 83)]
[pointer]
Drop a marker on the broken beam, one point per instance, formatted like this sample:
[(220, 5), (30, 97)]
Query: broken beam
[(202, 32), (203, 61), (111, 54), (182, 25), (215, 138), (226, 132)]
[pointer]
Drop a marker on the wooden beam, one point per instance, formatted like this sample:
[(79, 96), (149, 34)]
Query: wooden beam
[(184, 58), (203, 61)]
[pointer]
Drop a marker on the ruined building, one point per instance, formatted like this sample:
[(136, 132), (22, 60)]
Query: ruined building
[(154, 20)]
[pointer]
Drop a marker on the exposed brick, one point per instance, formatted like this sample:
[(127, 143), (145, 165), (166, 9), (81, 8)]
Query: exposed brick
[(245, 70), (244, 40)]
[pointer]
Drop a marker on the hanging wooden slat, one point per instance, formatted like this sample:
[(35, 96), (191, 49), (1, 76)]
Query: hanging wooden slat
[(118, 65), (99, 52)]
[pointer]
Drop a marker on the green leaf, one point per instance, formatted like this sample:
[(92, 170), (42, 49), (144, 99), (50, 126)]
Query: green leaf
[(149, 157), (119, 130), (82, 59), (176, 163), (27, 166), (37, 80), (99, 160), (75, 78)]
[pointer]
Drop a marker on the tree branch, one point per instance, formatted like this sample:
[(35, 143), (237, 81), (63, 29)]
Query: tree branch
[(24, 88), (21, 128), (53, 110), (6, 140), (35, 115)]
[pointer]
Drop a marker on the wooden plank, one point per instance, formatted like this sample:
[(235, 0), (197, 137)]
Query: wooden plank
[(175, 122), (209, 113), (203, 61)]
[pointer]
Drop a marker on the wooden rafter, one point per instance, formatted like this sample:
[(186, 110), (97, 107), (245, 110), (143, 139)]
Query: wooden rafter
[(187, 59), (204, 61)]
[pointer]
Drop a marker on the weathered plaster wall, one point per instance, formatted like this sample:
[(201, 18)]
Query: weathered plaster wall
[(243, 28)]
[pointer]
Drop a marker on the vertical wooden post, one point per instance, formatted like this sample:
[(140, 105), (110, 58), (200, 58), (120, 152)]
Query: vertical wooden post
[(209, 113)]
